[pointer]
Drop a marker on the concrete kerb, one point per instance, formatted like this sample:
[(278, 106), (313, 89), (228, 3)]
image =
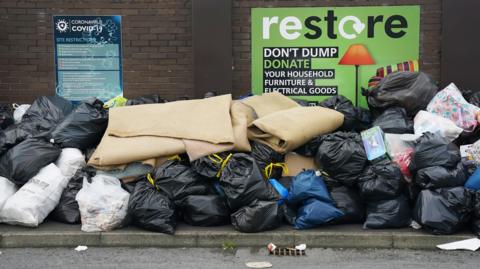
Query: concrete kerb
[(423, 241), (344, 236)]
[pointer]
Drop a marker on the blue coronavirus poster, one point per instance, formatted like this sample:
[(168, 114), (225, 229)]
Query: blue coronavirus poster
[(88, 57)]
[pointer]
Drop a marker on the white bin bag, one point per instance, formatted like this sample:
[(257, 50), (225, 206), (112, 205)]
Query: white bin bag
[(427, 122), (32, 203), (70, 160), (7, 189), (18, 112), (103, 204)]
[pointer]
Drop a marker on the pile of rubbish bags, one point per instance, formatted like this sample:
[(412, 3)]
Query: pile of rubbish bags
[(411, 159)]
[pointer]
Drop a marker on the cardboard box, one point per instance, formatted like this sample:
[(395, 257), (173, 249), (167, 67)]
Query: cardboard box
[(297, 163)]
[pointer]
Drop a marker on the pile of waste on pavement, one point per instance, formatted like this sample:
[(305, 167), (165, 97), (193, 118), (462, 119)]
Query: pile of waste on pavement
[(256, 163)]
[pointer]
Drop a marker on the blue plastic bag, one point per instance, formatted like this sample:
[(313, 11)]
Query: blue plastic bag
[(314, 213), (282, 191), (307, 185), (473, 182)]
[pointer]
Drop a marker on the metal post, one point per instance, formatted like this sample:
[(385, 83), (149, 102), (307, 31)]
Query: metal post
[(356, 85)]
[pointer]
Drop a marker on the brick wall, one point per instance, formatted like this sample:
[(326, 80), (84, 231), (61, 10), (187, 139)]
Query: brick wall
[(157, 51), (157, 48), (430, 32)]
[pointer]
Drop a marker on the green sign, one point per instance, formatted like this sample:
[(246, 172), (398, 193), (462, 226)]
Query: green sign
[(296, 51)]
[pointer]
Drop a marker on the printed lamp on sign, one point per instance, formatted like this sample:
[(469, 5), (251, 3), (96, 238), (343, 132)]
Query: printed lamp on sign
[(356, 54)]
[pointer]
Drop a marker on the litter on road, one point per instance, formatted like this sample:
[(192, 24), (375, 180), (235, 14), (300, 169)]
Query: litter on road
[(469, 244), (81, 248)]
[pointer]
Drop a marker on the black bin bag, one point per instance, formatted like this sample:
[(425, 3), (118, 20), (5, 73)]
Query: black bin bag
[(44, 114), (435, 177), (12, 136), (67, 209), (50, 108), (177, 180), (205, 210), (289, 214), (443, 211), (382, 180), (151, 210), (342, 156), (243, 182), (6, 116), (476, 213), (410, 90), (393, 213), (83, 128), (356, 119), (394, 120), (269, 161), (350, 203), (210, 166), (25, 160), (258, 217), (434, 150)]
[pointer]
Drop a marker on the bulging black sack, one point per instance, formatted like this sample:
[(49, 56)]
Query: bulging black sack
[(6, 116), (51, 109), (258, 217), (476, 213), (435, 177), (11, 136), (44, 114), (381, 181), (83, 128), (434, 150), (443, 211), (205, 210), (394, 120), (356, 119), (265, 156), (342, 156), (350, 203), (393, 213), (151, 210), (209, 166), (289, 214), (243, 182), (177, 180), (67, 209), (412, 91), (25, 160)]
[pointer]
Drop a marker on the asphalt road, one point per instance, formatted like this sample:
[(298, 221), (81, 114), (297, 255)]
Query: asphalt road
[(216, 258)]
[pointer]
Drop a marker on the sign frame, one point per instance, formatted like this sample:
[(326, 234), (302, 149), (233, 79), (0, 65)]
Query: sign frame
[(403, 49), (111, 26)]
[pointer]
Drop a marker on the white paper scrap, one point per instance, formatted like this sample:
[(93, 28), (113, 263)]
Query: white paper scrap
[(81, 248), (470, 244)]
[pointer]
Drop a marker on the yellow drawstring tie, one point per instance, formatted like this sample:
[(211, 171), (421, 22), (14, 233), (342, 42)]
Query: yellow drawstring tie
[(218, 160), (269, 169), (175, 158), (151, 180)]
